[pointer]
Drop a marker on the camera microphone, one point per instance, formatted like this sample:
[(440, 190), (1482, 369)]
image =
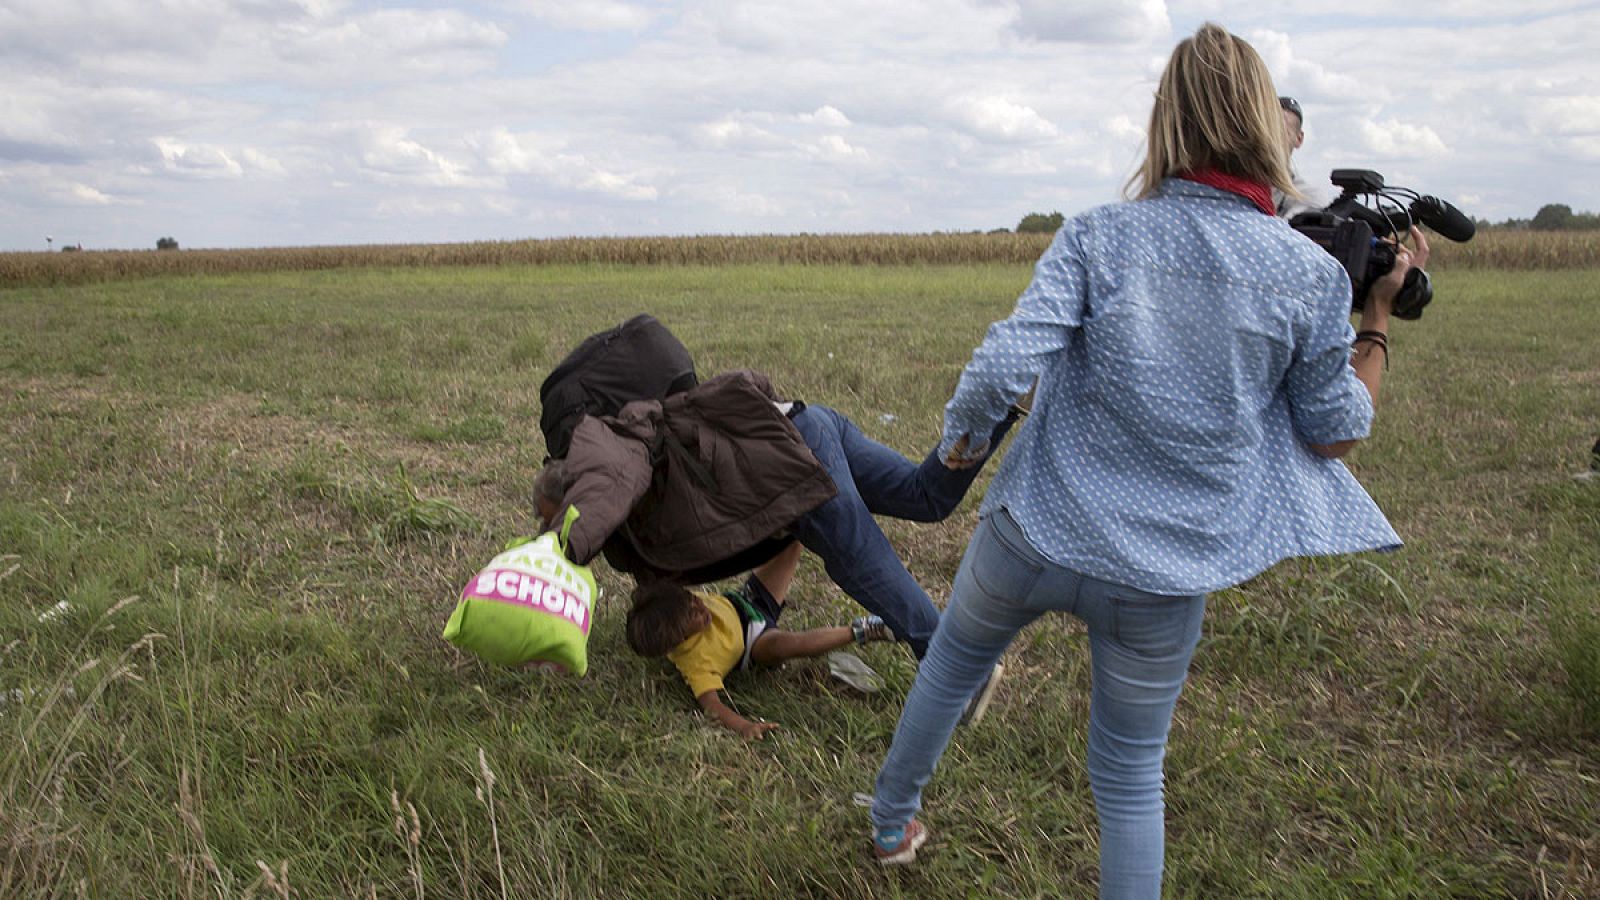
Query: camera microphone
[(1359, 230), (1443, 218)]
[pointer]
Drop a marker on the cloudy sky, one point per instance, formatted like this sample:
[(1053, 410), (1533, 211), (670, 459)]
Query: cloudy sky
[(292, 122)]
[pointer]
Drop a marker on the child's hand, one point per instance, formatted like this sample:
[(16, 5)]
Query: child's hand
[(755, 731), (750, 731)]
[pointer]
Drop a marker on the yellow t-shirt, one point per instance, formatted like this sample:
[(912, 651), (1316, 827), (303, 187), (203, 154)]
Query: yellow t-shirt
[(714, 652)]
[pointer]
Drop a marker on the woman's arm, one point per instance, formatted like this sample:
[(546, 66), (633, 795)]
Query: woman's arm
[(1368, 358), (1016, 349)]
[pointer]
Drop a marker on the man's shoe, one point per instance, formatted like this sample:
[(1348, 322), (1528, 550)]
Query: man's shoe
[(979, 704), (898, 846)]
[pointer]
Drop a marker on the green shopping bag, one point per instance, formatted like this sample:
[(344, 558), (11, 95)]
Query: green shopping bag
[(529, 604)]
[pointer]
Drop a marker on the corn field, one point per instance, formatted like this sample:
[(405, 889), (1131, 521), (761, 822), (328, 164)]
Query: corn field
[(17, 269), (1489, 250)]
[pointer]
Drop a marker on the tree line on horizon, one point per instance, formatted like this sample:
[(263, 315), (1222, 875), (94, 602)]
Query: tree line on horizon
[(1550, 217)]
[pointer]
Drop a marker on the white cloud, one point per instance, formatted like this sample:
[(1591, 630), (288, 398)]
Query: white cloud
[(387, 45), (1021, 162), (1366, 12), (199, 160), (590, 15), (617, 186), (743, 203), (25, 118), (1586, 151), (1085, 22), (833, 148), (1125, 128), (260, 162), (781, 135), (737, 130), (389, 154), (826, 116), (748, 27), (86, 194), (1401, 140), (411, 207), (293, 120), (541, 157), (508, 154), (1311, 81), (1566, 116), (852, 31), (207, 42), (1000, 119), (836, 200)]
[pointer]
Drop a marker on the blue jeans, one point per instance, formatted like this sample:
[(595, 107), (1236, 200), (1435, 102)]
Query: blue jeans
[(874, 479), (1139, 644)]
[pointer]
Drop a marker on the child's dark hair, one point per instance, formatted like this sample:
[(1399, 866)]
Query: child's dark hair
[(664, 615)]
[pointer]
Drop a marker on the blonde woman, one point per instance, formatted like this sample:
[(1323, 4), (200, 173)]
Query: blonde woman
[(1198, 379)]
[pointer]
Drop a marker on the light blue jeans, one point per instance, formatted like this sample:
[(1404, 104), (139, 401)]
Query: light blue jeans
[(1140, 645)]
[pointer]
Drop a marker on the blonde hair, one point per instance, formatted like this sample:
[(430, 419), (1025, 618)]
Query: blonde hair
[(1216, 108)]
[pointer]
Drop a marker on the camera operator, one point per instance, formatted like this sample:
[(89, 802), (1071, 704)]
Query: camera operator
[(1294, 135), (1196, 379)]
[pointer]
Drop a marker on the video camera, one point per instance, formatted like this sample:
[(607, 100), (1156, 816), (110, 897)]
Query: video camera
[(1355, 234)]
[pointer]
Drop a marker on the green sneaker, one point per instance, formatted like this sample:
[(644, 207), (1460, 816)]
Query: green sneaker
[(898, 846)]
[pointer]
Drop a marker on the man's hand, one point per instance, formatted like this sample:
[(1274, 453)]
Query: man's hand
[(956, 459)]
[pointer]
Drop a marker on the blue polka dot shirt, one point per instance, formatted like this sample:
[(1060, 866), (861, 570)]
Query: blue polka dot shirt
[(1188, 349)]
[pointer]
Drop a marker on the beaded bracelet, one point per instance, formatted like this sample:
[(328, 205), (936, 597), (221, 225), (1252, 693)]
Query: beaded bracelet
[(1376, 337)]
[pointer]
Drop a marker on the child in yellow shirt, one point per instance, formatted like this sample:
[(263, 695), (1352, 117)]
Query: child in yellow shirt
[(707, 635)]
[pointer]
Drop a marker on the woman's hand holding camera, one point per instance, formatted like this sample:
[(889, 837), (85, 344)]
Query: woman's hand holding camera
[(1380, 298)]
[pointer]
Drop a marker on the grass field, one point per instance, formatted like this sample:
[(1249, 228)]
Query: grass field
[(257, 496)]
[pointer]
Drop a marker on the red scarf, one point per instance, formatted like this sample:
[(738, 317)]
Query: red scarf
[(1256, 192)]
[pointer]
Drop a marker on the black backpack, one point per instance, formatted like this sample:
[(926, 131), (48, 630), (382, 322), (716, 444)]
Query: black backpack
[(637, 360)]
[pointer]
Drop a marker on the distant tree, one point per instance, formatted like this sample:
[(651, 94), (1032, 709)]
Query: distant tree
[(167, 243), (1039, 223), (999, 231), (71, 248), (1560, 217), (1552, 217)]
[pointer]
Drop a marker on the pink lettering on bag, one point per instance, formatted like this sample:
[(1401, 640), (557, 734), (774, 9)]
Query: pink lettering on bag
[(522, 589)]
